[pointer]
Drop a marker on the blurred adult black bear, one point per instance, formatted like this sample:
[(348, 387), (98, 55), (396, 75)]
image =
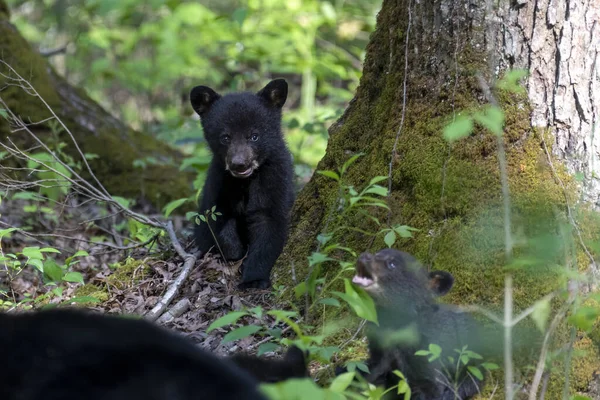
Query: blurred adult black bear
[(409, 320), (292, 365), (250, 178), (67, 354)]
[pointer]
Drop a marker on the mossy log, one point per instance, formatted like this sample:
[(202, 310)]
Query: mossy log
[(421, 70), (94, 129)]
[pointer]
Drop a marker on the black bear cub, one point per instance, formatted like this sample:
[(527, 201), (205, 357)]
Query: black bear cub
[(75, 355), (250, 178), (404, 294), (292, 365)]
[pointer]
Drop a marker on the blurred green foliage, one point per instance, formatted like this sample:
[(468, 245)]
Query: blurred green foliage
[(140, 58)]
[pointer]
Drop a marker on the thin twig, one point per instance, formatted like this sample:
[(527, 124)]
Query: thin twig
[(569, 212), (404, 85)]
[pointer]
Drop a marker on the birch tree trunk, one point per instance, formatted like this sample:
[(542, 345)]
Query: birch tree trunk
[(421, 71)]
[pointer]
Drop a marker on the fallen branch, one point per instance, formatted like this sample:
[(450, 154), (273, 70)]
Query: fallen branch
[(176, 311), (189, 262)]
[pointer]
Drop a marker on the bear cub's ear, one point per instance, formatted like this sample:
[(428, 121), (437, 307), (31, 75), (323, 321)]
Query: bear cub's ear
[(275, 93), (202, 97), (440, 282)]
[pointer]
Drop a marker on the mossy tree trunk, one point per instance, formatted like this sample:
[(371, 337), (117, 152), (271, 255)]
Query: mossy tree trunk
[(94, 129), (421, 70)]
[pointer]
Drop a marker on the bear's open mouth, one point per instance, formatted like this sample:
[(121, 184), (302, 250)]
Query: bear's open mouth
[(363, 277), (243, 174)]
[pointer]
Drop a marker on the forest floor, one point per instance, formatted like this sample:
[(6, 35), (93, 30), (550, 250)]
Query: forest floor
[(132, 281)]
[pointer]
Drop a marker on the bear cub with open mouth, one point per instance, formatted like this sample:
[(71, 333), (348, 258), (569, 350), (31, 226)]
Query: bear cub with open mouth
[(250, 178)]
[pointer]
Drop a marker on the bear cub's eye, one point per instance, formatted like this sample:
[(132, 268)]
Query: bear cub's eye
[(225, 139), (391, 265), (254, 137)]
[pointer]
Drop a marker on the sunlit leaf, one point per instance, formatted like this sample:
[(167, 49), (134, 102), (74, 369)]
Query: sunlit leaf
[(168, 209), (475, 372), (330, 302), (491, 118), (267, 347), (73, 277), (227, 319), (460, 128), (329, 174), (541, 311), (342, 381), (241, 333), (390, 238)]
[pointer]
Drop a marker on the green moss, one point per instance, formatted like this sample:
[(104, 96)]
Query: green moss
[(127, 273), (92, 291)]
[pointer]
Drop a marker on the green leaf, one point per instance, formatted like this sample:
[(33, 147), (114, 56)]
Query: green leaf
[(342, 381), (3, 113), (390, 238), (330, 302), (350, 161), (584, 318), (240, 333), (53, 271), (405, 231), (489, 366), (510, 81), (84, 299), (33, 253), (422, 353), (403, 387), (239, 15), (75, 277), (460, 128), (378, 190), (359, 301), (491, 118), (125, 203), (80, 253), (300, 289), (377, 179), (4, 232), (475, 372), (266, 347), (90, 156), (318, 258), (168, 209), (330, 174), (435, 351), (49, 250), (227, 319), (541, 311)]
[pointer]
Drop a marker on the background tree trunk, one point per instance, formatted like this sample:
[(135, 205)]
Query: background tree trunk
[(95, 130), (420, 71)]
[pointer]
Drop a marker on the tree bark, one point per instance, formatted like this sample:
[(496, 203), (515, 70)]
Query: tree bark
[(421, 70), (94, 129)]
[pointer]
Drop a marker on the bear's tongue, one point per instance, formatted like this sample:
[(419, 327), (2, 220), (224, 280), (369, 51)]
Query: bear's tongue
[(362, 281)]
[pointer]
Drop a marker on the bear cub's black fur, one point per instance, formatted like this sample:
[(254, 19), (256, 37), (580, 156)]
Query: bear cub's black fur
[(404, 294), (74, 355), (250, 178)]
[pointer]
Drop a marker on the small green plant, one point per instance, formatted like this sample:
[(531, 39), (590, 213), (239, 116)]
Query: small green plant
[(54, 273), (464, 360), (205, 218)]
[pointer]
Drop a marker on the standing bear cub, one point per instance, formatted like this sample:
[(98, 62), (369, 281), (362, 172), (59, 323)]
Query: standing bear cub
[(250, 178)]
